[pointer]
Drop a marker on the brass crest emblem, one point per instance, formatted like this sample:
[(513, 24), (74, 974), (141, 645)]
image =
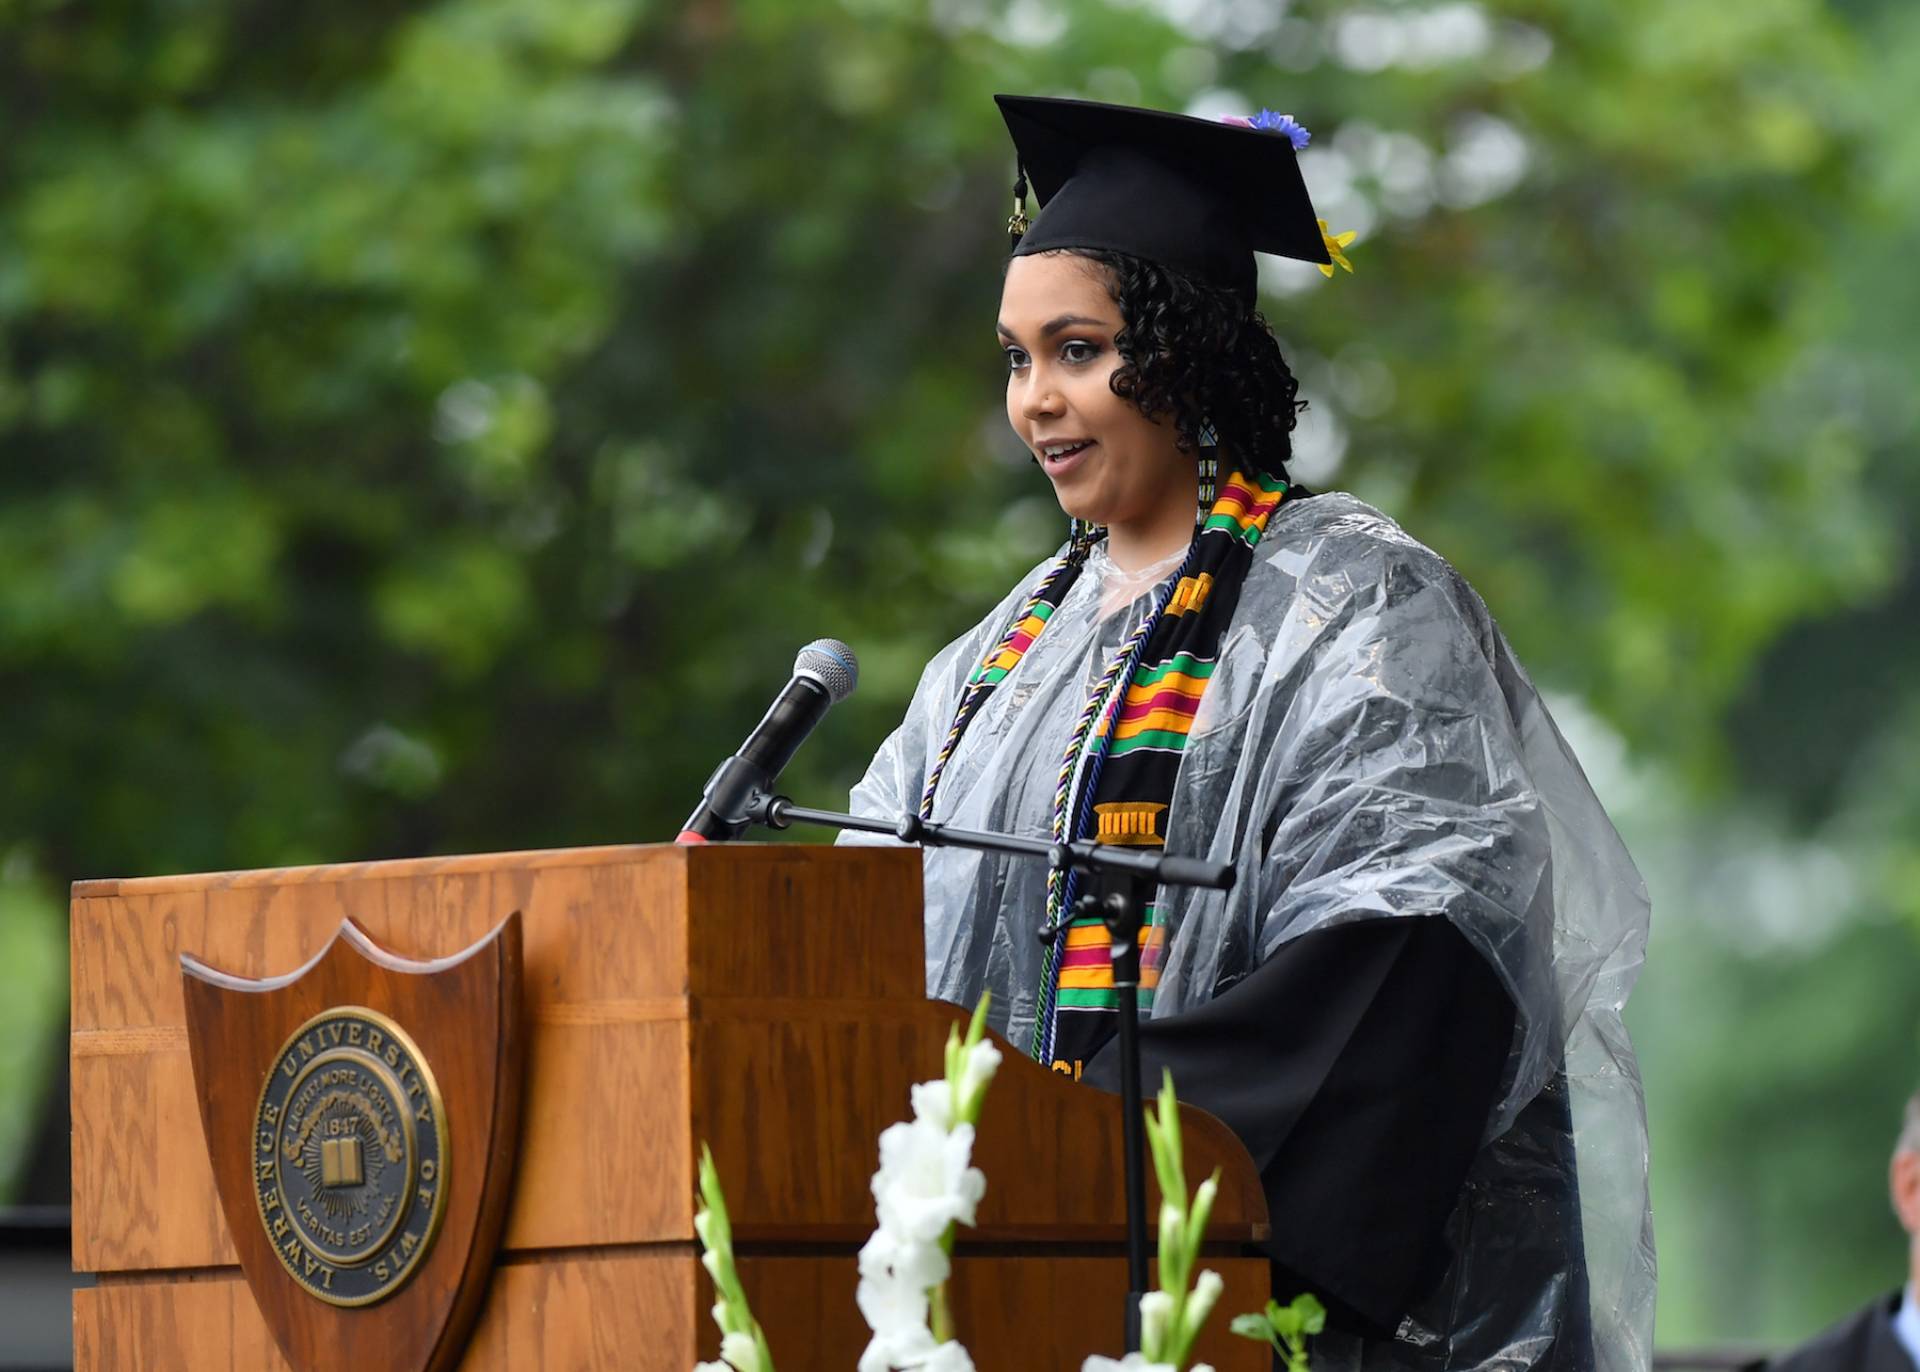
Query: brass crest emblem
[(351, 1162), (361, 1116)]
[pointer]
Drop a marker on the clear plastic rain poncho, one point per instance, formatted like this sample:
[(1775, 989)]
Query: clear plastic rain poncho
[(1368, 749)]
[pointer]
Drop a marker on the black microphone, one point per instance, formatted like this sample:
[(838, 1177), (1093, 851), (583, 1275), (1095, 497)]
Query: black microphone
[(824, 674)]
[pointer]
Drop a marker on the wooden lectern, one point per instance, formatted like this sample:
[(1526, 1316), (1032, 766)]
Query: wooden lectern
[(765, 999)]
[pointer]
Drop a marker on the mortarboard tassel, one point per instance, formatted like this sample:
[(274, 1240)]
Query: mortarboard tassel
[(1018, 223)]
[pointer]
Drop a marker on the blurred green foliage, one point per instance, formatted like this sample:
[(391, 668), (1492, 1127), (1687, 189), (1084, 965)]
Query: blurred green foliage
[(435, 428)]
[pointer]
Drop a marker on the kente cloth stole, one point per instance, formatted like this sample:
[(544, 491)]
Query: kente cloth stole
[(1117, 778), (1005, 656)]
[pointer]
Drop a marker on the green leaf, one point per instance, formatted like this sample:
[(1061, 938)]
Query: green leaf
[(1257, 1328), (977, 1026)]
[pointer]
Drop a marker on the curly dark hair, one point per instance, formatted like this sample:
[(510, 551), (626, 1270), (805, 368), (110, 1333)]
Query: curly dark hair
[(1203, 355)]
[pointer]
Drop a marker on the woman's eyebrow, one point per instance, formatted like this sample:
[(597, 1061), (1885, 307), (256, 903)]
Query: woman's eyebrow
[(1054, 326)]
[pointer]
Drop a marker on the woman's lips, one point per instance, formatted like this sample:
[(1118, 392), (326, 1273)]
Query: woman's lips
[(1057, 467)]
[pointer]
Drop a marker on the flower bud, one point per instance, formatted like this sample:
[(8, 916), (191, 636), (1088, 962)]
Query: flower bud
[(1156, 1315), (1206, 1293), (741, 1352)]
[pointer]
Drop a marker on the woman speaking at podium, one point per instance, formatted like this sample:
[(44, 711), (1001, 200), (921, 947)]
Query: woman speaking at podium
[(1408, 1005)]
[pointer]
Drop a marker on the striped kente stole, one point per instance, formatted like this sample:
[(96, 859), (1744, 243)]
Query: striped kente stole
[(1116, 780), (1134, 759), (1006, 654)]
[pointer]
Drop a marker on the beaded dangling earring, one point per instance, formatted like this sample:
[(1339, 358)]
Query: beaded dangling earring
[(1209, 470)]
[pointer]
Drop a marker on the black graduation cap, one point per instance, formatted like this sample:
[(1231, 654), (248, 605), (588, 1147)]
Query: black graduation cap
[(1192, 194)]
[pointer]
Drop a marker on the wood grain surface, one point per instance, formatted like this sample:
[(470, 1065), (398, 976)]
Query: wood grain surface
[(646, 1311), (764, 998), (574, 1313)]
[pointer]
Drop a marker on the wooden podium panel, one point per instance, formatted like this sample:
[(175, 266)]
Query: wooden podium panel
[(622, 1310), (640, 1311), (764, 998)]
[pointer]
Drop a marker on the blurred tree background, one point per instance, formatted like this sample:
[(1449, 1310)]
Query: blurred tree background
[(434, 428)]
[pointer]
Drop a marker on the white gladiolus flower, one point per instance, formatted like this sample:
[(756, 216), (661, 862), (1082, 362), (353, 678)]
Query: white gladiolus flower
[(893, 1307), (924, 1183), (948, 1357), (711, 1367), (1156, 1317), (877, 1254), (926, 1263), (714, 1265), (1173, 1227), (740, 1352), (982, 1061), (1203, 1197), (924, 1188), (933, 1103), (886, 1255), (1206, 1292), (904, 1348), (1133, 1362)]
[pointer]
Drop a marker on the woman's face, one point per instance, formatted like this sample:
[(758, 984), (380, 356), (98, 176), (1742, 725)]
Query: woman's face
[(1108, 462)]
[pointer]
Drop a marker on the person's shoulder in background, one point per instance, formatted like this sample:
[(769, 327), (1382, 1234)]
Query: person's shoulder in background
[(1862, 1342)]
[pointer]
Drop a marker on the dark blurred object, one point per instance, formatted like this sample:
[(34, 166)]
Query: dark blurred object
[(1863, 1342), (36, 1285), (48, 1179)]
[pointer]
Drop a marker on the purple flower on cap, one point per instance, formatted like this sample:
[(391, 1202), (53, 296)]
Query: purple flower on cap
[(1269, 122)]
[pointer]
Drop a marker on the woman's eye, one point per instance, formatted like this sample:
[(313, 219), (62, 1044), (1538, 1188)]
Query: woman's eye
[(1078, 350), (1016, 358)]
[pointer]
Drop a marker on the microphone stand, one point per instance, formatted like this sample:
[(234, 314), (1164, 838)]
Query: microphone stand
[(1123, 879)]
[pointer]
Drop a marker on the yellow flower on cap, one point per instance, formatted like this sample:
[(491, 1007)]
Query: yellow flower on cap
[(1334, 243)]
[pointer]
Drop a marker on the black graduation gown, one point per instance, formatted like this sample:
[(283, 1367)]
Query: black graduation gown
[(1359, 1065)]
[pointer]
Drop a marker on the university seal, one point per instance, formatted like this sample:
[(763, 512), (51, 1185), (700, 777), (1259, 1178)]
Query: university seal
[(364, 1205), (350, 1156)]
